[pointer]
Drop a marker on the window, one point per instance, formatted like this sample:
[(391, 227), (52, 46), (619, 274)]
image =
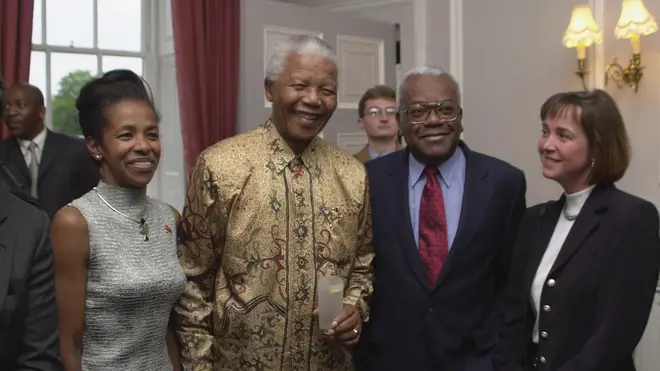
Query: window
[(74, 40)]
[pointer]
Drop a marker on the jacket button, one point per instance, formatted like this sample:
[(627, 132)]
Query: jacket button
[(544, 334), (542, 359), (546, 308), (429, 307), (551, 283)]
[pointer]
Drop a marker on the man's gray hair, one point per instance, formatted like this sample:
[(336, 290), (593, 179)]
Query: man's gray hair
[(297, 44), (424, 71)]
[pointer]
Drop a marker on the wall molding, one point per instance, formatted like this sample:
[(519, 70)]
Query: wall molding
[(419, 20), (456, 40), (456, 46), (359, 4), (597, 65)]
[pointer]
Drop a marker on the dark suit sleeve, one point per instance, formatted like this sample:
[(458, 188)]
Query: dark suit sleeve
[(626, 293), (40, 349), (511, 319), (503, 262)]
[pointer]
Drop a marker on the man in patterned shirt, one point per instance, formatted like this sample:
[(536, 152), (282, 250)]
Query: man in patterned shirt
[(268, 212)]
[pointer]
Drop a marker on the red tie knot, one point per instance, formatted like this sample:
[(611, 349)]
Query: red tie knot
[(431, 172)]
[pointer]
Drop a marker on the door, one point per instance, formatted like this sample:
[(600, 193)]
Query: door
[(366, 53)]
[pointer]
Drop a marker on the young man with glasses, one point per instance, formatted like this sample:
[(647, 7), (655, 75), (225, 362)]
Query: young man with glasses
[(444, 223), (377, 117)]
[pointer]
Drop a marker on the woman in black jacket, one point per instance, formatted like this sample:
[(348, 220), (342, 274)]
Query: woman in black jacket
[(585, 266)]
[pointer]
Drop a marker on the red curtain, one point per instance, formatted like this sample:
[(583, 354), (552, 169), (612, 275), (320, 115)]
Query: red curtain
[(206, 48), (15, 42)]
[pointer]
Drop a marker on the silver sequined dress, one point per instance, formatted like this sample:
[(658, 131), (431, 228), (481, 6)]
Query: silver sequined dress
[(132, 284)]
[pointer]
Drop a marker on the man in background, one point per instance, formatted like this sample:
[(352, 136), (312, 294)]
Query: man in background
[(55, 168), (377, 117), (7, 179)]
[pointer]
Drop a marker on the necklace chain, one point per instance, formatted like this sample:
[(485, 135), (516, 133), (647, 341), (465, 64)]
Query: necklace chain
[(144, 226)]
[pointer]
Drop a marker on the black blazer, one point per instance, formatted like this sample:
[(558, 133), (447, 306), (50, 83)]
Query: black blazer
[(66, 172), (599, 292), (455, 323), (29, 337)]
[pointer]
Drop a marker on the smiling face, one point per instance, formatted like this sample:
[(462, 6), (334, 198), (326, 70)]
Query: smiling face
[(129, 149), (564, 151), (432, 139), (304, 97)]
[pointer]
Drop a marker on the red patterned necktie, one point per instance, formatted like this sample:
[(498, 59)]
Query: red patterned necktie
[(433, 244)]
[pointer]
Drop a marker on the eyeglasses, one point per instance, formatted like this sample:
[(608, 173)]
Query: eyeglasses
[(377, 111), (419, 113)]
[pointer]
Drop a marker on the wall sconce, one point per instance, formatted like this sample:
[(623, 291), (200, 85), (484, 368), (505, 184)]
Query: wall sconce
[(582, 32), (635, 21)]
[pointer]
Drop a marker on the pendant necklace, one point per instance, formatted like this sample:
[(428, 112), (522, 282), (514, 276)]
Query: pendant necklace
[(144, 226), (568, 217)]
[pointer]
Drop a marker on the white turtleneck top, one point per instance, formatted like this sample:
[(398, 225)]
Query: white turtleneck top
[(572, 206)]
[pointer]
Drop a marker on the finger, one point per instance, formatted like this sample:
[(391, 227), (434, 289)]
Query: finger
[(348, 325), (346, 312), (349, 337), (315, 312), (353, 341)]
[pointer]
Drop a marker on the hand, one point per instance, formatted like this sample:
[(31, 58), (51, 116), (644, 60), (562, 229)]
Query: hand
[(347, 327)]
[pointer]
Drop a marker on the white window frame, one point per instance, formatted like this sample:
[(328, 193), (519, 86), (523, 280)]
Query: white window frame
[(148, 52)]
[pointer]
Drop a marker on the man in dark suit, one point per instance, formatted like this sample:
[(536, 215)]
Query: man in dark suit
[(8, 181), (444, 224), (28, 314), (53, 167)]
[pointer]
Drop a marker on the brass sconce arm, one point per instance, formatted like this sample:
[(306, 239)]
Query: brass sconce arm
[(630, 75), (582, 72)]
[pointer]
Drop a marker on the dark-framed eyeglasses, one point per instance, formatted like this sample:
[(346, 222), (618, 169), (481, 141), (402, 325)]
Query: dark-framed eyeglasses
[(419, 113), (377, 111)]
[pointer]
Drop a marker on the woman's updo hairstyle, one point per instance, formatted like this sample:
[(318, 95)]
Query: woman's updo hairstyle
[(107, 90)]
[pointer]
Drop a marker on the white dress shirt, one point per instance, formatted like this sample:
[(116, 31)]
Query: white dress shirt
[(572, 207), (39, 141)]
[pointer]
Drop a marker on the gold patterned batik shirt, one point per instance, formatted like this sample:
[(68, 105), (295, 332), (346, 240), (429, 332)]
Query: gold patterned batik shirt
[(260, 224)]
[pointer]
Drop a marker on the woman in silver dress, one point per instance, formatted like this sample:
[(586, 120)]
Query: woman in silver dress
[(117, 275)]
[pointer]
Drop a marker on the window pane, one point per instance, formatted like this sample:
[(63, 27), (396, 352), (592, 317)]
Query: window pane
[(69, 72), (120, 24), (70, 23), (38, 71), (126, 63), (36, 23)]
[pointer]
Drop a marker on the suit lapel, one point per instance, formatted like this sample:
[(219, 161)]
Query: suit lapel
[(49, 153), (476, 196), (398, 171), (545, 226), (587, 221), (16, 158), (7, 248)]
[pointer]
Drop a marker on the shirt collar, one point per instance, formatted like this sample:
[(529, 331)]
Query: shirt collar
[(39, 140), (375, 155), (281, 155), (447, 170)]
